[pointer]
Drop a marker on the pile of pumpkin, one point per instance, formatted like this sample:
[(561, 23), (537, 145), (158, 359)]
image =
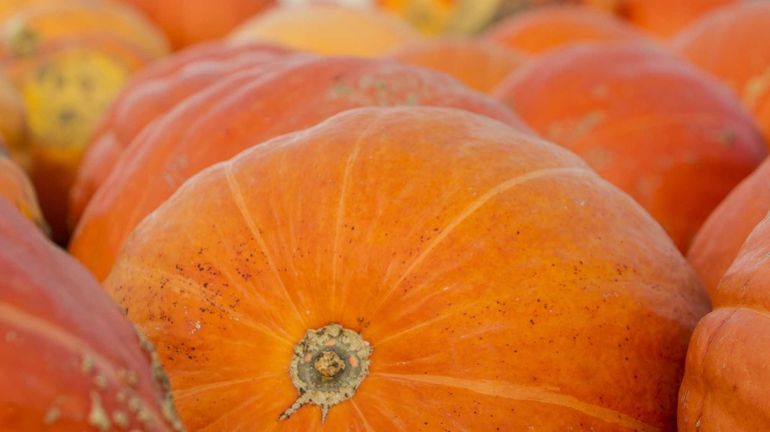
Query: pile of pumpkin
[(320, 217)]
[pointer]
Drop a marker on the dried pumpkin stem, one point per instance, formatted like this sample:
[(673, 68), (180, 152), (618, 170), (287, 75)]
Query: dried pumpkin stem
[(328, 366)]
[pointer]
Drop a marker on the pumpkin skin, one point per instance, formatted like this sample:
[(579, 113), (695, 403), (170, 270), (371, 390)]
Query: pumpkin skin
[(12, 116), (717, 243), (439, 236), (17, 189), (153, 91), (726, 377), (69, 360), (188, 22), (724, 43), (479, 64), (543, 29), (667, 134), (243, 110), (327, 29)]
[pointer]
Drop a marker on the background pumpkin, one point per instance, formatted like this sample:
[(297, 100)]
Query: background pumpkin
[(726, 377), (479, 64), (439, 236), (664, 132), (152, 92), (69, 360), (280, 96), (727, 44), (188, 22), (13, 128), (542, 29), (327, 29), (17, 189)]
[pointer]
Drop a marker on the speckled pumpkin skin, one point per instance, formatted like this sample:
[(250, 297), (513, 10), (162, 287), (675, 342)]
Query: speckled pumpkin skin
[(666, 133), (249, 107), (69, 360), (440, 236)]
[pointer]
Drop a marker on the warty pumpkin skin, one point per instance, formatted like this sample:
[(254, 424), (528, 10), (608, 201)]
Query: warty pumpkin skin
[(69, 360), (243, 110), (667, 134), (17, 189), (152, 92), (481, 65), (726, 377), (718, 241), (439, 237), (543, 29), (189, 22), (731, 44), (328, 29)]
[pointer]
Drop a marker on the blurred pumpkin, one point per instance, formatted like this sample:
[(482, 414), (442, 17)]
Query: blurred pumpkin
[(188, 22), (731, 43), (726, 377), (240, 111), (404, 264), (664, 132), (69, 360), (479, 64), (17, 189), (327, 29), (716, 245), (542, 29), (13, 128), (153, 92), (68, 61)]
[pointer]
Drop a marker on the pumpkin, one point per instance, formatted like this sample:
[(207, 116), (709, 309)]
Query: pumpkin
[(12, 116), (664, 132), (154, 91), (327, 29), (69, 360), (542, 29), (726, 375), (240, 111), (17, 189), (727, 44), (67, 61), (717, 243), (663, 18), (188, 22), (479, 64), (409, 269)]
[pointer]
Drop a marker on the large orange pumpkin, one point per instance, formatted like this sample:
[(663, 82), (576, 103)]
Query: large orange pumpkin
[(69, 360), (241, 111), (188, 22), (17, 189), (726, 377), (716, 245), (479, 64), (666, 133), (328, 29), (731, 43), (543, 29), (411, 269), (152, 92)]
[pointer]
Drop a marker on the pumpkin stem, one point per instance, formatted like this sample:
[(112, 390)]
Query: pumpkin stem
[(328, 366)]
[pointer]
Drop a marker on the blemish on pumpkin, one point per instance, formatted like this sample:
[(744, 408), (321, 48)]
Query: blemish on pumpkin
[(120, 419), (755, 88), (52, 415), (100, 381), (569, 131), (726, 137), (87, 364), (97, 417)]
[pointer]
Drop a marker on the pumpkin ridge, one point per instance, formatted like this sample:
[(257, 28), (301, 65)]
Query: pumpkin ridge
[(525, 393), (240, 202), (470, 209)]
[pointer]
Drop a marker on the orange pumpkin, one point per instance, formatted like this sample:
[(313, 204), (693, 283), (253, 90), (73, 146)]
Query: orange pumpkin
[(69, 360), (17, 189), (664, 132), (726, 377), (479, 64), (409, 269), (716, 245), (241, 111), (188, 22), (328, 29), (13, 126), (661, 17), (543, 29), (730, 43), (151, 93)]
